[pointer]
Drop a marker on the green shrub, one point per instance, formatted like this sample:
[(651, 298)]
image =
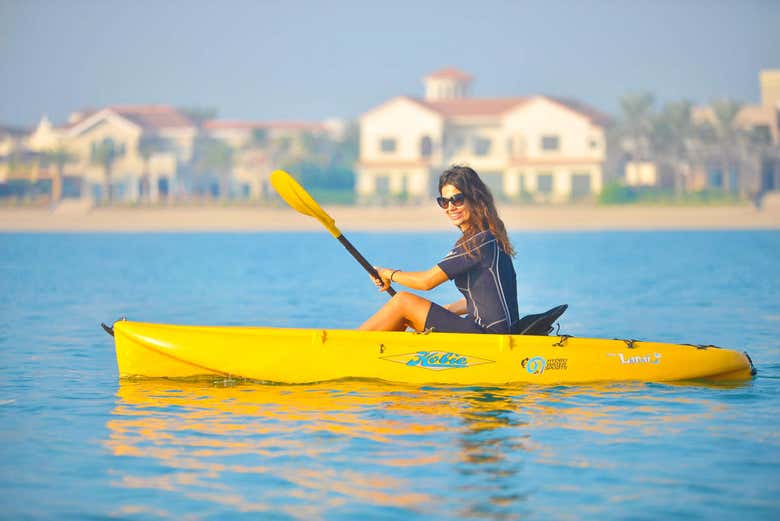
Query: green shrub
[(615, 193), (339, 196), (331, 177)]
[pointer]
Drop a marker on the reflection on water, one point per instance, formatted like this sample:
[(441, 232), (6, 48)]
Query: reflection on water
[(360, 448)]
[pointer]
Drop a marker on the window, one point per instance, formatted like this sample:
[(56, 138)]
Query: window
[(716, 178), (761, 135), (767, 175), (580, 185), (383, 184), (388, 145), (551, 142), (494, 181), (481, 146), (107, 149), (544, 183), (163, 187), (733, 180), (426, 146), (519, 145)]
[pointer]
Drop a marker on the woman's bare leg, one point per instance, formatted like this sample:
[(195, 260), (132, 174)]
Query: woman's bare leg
[(403, 310)]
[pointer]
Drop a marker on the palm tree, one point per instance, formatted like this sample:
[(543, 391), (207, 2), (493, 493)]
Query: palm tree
[(148, 145), (105, 154), (60, 157), (637, 123), (259, 138), (199, 115), (673, 131), (347, 149), (216, 157), (728, 139), (314, 147)]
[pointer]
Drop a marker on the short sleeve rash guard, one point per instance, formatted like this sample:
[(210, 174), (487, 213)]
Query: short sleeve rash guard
[(487, 279)]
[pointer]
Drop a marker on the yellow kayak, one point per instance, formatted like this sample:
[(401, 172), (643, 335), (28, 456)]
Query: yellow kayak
[(314, 355)]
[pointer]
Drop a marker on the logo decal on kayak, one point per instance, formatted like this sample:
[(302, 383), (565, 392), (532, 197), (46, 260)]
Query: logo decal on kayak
[(538, 364), (437, 360), (655, 358)]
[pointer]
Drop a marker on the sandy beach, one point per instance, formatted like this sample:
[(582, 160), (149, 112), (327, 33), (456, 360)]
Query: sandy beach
[(80, 218)]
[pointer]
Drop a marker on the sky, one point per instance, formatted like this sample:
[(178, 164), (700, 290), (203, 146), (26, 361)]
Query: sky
[(312, 60)]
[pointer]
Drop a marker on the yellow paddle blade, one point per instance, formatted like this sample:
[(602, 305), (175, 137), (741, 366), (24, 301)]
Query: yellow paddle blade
[(299, 199)]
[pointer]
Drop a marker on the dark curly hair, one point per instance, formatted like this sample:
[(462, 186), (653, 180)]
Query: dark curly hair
[(483, 209)]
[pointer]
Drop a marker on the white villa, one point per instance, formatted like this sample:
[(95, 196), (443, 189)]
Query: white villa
[(535, 147), (153, 152), (170, 135)]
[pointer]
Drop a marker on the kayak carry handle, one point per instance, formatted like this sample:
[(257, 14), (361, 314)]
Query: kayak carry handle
[(107, 329), (110, 329)]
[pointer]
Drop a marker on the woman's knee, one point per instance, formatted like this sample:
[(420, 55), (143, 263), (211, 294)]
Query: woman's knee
[(404, 299), (408, 303)]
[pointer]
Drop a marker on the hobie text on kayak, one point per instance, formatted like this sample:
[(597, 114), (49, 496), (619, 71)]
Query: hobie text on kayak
[(437, 360)]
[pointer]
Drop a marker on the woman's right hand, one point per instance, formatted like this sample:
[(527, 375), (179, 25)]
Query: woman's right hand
[(383, 282)]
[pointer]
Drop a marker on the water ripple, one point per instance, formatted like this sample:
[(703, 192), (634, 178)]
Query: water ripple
[(77, 443)]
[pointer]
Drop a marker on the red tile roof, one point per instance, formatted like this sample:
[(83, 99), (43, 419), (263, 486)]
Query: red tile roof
[(474, 106), (77, 118), (148, 117), (450, 72), (395, 163), (597, 117), (547, 161), (495, 107), (153, 116), (217, 124)]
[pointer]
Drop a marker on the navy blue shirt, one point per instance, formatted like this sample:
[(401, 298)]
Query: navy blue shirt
[(487, 279)]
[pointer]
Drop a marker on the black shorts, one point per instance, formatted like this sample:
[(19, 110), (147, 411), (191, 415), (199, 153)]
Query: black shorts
[(443, 321)]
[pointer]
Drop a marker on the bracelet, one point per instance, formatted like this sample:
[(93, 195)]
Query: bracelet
[(393, 273)]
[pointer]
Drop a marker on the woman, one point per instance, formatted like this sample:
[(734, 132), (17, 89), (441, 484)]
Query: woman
[(480, 264)]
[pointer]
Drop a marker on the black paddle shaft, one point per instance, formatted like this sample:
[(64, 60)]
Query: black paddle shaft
[(362, 260)]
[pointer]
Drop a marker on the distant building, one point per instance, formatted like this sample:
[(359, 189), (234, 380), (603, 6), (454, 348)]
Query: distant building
[(537, 147), (260, 145), (641, 173), (143, 147), (770, 88), (756, 168), (239, 134), (11, 139), (11, 147)]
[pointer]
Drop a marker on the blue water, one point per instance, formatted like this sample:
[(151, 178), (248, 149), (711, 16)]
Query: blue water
[(76, 443)]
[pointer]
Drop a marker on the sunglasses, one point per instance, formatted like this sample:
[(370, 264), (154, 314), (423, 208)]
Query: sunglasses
[(457, 201)]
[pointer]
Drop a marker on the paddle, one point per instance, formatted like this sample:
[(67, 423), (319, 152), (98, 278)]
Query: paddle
[(299, 199)]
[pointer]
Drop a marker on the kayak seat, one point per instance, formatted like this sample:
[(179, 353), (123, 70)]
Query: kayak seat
[(540, 323)]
